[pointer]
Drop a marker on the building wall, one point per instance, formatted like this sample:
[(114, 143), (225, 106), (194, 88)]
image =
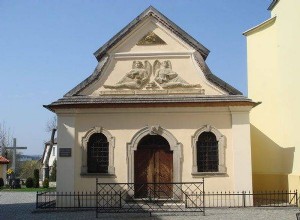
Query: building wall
[(53, 154), (3, 168), (273, 72), (182, 123)]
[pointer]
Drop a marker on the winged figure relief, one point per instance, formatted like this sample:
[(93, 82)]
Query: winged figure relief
[(136, 78), (167, 78)]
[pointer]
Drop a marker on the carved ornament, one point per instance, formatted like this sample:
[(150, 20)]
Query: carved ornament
[(162, 76), (150, 39)]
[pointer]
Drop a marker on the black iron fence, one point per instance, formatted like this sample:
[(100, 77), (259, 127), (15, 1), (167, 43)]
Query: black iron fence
[(66, 200), (149, 197), (249, 199), (161, 197)]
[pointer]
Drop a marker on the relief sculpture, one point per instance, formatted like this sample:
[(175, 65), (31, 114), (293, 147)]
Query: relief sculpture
[(136, 78), (141, 76), (167, 78)]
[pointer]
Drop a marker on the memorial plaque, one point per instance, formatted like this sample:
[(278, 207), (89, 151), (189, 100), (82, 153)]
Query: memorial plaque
[(65, 152)]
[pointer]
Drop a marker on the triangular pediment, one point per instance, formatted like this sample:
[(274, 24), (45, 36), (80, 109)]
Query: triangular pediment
[(152, 55)]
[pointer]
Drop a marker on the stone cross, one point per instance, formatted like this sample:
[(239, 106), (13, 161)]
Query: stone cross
[(14, 148)]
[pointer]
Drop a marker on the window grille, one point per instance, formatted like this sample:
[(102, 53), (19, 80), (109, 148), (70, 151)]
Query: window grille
[(98, 154), (207, 153)]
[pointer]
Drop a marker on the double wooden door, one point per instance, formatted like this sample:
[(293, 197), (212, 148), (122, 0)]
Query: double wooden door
[(153, 162)]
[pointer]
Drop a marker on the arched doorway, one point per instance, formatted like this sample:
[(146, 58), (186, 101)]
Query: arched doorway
[(153, 163)]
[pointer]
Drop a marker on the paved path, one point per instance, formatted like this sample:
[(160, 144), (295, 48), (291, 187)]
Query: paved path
[(19, 205)]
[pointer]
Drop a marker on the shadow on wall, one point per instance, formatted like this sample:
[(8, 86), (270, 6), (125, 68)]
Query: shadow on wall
[(271, 163)]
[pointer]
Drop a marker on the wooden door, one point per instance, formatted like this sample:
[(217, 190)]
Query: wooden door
[(153, 163)]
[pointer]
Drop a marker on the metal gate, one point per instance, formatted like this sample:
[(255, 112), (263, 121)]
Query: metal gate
[(125, 197)]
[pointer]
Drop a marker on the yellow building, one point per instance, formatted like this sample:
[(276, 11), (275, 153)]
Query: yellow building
[(273, 52)]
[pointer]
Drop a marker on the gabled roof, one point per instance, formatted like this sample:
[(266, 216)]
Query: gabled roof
[(3, 160), (102, 57), (73, 98), (151, 11)]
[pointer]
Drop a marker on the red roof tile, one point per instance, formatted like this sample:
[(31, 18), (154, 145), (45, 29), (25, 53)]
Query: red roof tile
[(3, 160)]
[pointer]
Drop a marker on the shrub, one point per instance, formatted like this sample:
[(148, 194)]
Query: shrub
[(1, 183), (46, 183), (36, 178), (29, 182)]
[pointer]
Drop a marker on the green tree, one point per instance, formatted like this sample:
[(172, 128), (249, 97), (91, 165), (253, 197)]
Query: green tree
[(36, 178), (27, 168)]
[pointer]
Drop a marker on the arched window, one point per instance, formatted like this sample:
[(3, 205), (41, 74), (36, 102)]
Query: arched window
[(207, 153), (97, 154)]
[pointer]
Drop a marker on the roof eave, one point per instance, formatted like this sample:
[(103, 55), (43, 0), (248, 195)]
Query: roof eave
[(211, 103), (261, 25), (273, 4)]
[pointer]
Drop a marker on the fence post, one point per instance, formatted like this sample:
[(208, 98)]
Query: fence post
[(244, 198), (297, 199), (203, 196), (78, 197), (36, 201), (96, 197)]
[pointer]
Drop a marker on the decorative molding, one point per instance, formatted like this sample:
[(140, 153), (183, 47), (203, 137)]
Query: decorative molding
[(221, 149), (150, 39), (155, 130), (111, 146), (163, 54), (153, 92)]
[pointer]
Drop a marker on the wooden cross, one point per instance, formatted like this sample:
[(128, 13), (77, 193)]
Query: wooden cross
[(15, 148)]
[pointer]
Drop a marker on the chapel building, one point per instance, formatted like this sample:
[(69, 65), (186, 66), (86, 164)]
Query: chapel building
[(152, 111)]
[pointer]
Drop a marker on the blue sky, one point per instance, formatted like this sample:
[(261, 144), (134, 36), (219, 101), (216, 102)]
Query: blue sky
[(46, 48)]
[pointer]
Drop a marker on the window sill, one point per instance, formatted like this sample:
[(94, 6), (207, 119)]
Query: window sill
[(93, 175), (209, 174)]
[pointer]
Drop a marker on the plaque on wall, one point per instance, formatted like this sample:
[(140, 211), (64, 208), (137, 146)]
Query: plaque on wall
[(65, 152)]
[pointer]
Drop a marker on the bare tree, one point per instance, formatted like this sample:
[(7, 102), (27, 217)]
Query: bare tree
[(6, 139), (51, 124)]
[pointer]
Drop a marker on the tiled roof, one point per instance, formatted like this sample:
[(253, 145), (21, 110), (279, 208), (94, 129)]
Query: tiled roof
[(3, 160)]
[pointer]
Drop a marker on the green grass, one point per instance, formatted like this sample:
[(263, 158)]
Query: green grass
[(24, 189)]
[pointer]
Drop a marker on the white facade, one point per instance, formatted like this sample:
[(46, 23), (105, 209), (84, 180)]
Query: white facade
[(125, 109), (52, 158)]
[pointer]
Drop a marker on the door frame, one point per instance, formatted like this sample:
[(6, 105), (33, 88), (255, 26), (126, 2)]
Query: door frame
[(175, 146)]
